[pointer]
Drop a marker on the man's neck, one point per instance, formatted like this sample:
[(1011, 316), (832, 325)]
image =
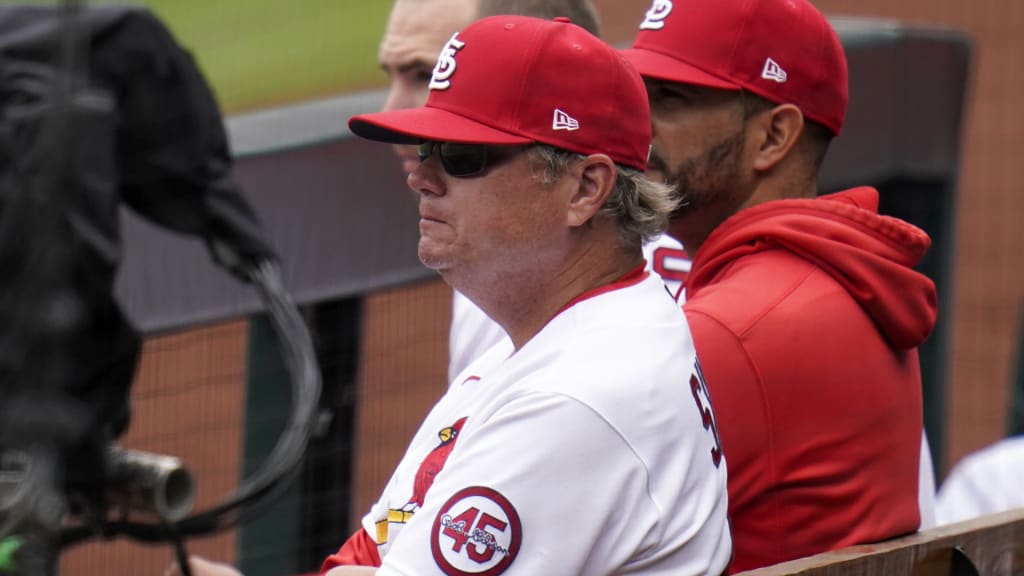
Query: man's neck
[(693, 228), (524, 303)]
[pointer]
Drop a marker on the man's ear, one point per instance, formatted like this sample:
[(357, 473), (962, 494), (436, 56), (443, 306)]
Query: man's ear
[(777, 132), (594, 180)]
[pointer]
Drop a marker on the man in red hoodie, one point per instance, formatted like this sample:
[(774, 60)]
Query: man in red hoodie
[(806, 311)]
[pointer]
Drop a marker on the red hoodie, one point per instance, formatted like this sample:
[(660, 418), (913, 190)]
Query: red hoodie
[(806, 315)]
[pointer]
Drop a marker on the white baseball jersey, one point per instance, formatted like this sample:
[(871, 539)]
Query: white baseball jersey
[(472, 332), (984, 482), (592, 450)]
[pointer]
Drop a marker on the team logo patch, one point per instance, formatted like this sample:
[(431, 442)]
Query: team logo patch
[(445, 67), (434, 462), (429, 468), (654, 19), (772, 71), (563, 121), (477, 532)]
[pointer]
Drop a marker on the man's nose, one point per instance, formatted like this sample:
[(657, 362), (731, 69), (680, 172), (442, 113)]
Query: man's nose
[(427, 178)]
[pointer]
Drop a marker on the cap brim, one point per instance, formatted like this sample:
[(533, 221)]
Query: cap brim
[(652, 64), (415, 125)]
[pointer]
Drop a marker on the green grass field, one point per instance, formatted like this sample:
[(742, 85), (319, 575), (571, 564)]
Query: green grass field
[(258, 53)]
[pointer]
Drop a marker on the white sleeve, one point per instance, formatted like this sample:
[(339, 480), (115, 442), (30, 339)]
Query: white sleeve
[(926, 485), (472, 333), (964, 494), (544, 486), (983, 482)]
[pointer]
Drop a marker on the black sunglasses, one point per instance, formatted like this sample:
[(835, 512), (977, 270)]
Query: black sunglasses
[(461, 159)]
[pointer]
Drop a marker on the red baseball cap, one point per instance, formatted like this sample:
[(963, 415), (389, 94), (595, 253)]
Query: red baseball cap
[(783, 50), (518, 80)]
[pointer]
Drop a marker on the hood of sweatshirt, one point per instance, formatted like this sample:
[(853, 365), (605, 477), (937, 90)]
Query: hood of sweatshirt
[(870, 255)]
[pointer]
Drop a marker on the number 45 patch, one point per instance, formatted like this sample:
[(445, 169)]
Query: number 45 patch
[(477, 532)]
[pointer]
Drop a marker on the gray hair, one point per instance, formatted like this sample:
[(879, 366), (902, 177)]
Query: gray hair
[(640, 206)]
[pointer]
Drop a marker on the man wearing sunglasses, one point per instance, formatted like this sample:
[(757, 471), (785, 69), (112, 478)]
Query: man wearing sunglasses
[(806, 311), (416, 31), (534, 205)]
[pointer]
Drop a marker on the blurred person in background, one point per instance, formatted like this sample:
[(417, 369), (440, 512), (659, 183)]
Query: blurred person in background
[(986, 481), (991, 479)]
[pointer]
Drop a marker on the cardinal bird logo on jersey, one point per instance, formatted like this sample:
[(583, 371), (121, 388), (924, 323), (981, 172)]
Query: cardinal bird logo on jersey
[(429, 468), (433, 463)]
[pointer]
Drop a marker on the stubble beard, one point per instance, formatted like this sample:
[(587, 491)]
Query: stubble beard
[(708, 179)]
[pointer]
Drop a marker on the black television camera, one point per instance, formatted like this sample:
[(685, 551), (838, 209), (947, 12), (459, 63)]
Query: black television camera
[(99, 108)]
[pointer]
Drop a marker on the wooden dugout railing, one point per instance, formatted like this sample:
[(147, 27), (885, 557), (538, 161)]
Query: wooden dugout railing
[(991, 545)]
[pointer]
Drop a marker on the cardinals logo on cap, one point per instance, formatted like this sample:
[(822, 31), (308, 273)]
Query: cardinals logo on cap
[(654, 19), (445, 67)]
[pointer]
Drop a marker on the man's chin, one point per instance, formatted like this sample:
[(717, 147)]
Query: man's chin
[(433, 260)]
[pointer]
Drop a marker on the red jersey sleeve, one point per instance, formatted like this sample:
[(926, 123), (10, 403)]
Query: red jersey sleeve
[(358, 550)]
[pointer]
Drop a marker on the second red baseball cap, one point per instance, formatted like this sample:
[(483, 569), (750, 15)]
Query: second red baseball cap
[(783, 50), (518, 80)]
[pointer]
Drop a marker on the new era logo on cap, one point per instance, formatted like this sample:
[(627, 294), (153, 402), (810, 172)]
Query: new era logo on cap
[(654, 19), (772, 71), (563, 121), (445, 66)]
